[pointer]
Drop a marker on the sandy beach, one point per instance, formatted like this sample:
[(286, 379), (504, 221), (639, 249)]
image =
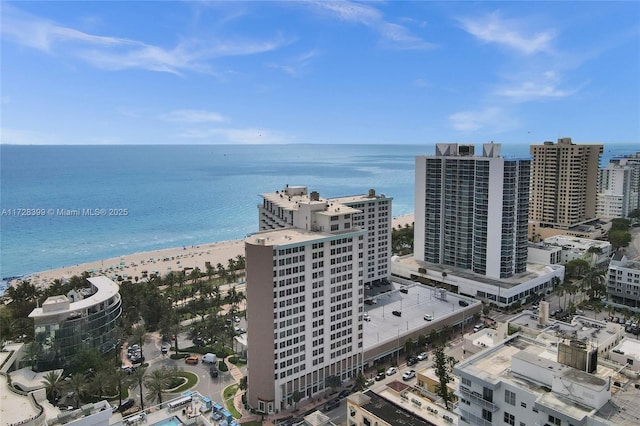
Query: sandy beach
[(161, 262)]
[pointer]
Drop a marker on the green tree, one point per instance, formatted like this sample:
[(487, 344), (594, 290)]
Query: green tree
[(100, 382), (138, 377), (619, 238), (332, 382), (359, 382), (594, 283), (139, 335), (244, 383), (121, 381), (296, 396), (157, 381), (79, 384), (443, 366), (620, 224), (409, 344), (53, 385), (576, 268)]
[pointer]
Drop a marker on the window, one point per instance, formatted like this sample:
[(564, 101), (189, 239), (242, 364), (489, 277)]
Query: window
[(509, 419), (487, 394), (523, 405), (555, 420), (509, 397), (486, 415)]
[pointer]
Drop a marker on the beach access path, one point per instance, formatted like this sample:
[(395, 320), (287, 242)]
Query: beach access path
[(161, 262)]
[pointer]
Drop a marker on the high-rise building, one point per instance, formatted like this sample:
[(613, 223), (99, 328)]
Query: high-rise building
[(472, 211), (619, 187), (305, 297), (281, 209), (564, 184), (615, 197)]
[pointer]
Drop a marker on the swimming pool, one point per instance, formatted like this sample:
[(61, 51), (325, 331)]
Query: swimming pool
[(171, 421)]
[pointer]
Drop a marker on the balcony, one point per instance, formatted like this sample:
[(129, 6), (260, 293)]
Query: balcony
[(476, 398)]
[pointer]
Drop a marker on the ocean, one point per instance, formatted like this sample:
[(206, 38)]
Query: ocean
[(88, 203)]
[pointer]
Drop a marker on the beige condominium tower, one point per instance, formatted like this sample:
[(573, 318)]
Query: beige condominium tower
[(564, 186)]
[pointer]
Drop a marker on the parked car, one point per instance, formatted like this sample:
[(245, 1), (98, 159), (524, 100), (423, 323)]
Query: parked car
[(404, 290), (366, 317), (391, 371), (380, 376), (463, 303), (193, 359), (209, 358), (126, 404), (331, 404), (198, 341), (213, 372), (344, 393), (397, 313), (409, 375), (412, 361), (428, 317), (369, 382), (422, 356)]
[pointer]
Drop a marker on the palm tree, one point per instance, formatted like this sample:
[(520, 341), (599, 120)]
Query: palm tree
[(121, 380), (594, 283), (156, 382), (100, 382), (53, 385), (595, 252), (138, 382), (79, 384), (139, 335)]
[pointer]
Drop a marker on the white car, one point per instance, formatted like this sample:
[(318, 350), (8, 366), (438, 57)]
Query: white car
[(422, 356), (392, 371), (366, 317), (428, 317), (409, 375)]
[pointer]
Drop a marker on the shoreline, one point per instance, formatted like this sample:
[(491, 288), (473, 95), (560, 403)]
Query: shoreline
[(163, 261)]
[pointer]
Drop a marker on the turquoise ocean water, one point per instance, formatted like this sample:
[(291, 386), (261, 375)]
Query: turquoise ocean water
[(177, 195)]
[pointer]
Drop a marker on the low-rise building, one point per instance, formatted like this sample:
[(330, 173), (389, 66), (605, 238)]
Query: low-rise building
[(396, 404), (623, 282), (627, 354), (537, 279), (64, 326), (522, 382)]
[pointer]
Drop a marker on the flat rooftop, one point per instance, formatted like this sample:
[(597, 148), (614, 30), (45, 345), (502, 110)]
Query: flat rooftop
[(533, 271), (495, 364), (292, 202), (581, 328), (293, 236), (392, 412), (418, 300)]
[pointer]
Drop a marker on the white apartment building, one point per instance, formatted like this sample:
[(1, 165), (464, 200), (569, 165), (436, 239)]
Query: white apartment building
[(472, 211), (561, 249), (281, 209), (521, 383), (615, 196), (305, 291), (623, 282)]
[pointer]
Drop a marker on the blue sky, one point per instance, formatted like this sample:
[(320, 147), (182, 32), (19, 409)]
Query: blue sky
[(319, 72)]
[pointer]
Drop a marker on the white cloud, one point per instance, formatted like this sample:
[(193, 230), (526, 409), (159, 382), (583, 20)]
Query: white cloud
[(193, 116), (492, 28), (543, 86), (114, 53), (490, 119), (246, 136), (394, 35), (295, 65)]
